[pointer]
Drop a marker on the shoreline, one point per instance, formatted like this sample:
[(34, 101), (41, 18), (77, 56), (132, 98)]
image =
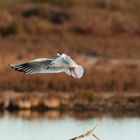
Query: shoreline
[(93, 102), (57, 114)]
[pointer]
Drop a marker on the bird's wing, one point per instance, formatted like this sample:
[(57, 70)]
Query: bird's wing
[(36, 66), (93, 129), (54, 70), (75, 138), (68, 60)]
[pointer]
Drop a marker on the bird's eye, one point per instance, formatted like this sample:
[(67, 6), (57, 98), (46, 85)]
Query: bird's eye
[(59, 53)]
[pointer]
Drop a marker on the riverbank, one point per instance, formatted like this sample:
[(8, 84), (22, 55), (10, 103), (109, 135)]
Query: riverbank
[(98, 102)]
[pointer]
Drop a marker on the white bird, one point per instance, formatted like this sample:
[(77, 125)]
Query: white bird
[(61, 63), (87, 133)]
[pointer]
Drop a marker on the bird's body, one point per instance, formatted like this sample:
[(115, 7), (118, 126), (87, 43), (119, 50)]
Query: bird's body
[(86, 134), (61, 63)]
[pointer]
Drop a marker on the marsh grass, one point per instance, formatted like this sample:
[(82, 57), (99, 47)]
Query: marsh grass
[(61, 3)]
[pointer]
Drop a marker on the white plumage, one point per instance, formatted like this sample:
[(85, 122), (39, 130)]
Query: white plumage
[(61, 63)]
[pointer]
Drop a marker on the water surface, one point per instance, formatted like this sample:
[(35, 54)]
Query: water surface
[(63, 129)]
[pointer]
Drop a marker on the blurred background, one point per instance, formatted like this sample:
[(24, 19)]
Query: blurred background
[(101, 35)]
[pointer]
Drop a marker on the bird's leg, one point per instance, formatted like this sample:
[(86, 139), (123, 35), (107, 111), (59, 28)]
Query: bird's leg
[(75, 73), (72, 69)]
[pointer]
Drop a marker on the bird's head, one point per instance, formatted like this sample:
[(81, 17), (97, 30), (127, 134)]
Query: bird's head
[(59, 53)]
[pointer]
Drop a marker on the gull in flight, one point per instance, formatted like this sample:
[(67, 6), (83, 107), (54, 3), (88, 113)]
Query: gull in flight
[(87, 133), (61, 63)]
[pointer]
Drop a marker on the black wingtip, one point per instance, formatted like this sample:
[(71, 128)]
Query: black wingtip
[(73, 138), (11, 65)]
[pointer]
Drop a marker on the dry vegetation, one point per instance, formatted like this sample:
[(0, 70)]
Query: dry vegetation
[(106, 29)]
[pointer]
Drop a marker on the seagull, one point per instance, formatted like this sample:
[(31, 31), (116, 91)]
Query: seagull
[(87, 133), (61, 63)]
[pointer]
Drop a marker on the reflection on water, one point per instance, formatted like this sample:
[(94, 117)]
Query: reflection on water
[(56, 114), (64, 128)]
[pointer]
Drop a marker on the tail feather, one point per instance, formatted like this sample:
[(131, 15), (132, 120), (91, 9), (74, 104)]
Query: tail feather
[(79, 71)]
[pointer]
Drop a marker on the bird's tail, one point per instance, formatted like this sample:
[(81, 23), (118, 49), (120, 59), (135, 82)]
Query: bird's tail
[(79, 71)]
